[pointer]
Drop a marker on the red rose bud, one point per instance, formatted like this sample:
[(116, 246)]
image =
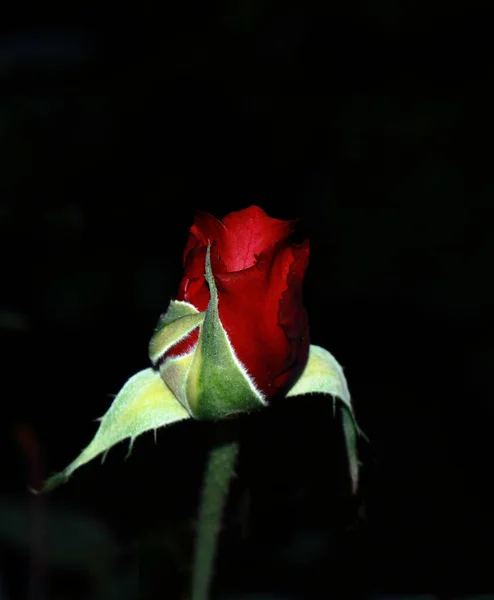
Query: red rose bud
[(235, 336), (238, 332)]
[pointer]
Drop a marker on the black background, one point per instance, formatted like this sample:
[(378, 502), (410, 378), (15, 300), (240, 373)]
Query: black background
[(372, 123)]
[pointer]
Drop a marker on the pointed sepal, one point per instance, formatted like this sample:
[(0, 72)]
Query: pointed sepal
[(324, 375), (180, 319), (215, 383), (144, 403)]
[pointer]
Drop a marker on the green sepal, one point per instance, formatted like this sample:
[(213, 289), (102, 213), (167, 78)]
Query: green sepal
[(179, 320), (217, 385), (145, 402), (324, 375)]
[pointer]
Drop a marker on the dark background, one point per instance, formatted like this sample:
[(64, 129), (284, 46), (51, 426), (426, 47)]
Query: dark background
[(370, 122)]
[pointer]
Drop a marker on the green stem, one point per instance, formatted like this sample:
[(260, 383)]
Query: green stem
[(219, 469)]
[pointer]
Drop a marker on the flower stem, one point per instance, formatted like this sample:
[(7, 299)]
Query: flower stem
[(219, 469)]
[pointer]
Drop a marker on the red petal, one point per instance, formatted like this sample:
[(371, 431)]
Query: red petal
[(250, 232), (193, 287), (249, 307), (293, 318), (240, 237), (183, 347), (205, 230)]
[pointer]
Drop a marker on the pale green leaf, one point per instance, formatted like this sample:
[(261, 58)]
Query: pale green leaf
[(324, 375), (144, 403)]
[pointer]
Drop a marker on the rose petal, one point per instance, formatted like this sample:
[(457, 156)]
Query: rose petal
[(250, 232), (240, 237), (249, 306)]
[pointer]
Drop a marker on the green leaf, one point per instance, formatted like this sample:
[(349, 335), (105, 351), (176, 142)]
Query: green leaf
[(145, 402), (324, 375)]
